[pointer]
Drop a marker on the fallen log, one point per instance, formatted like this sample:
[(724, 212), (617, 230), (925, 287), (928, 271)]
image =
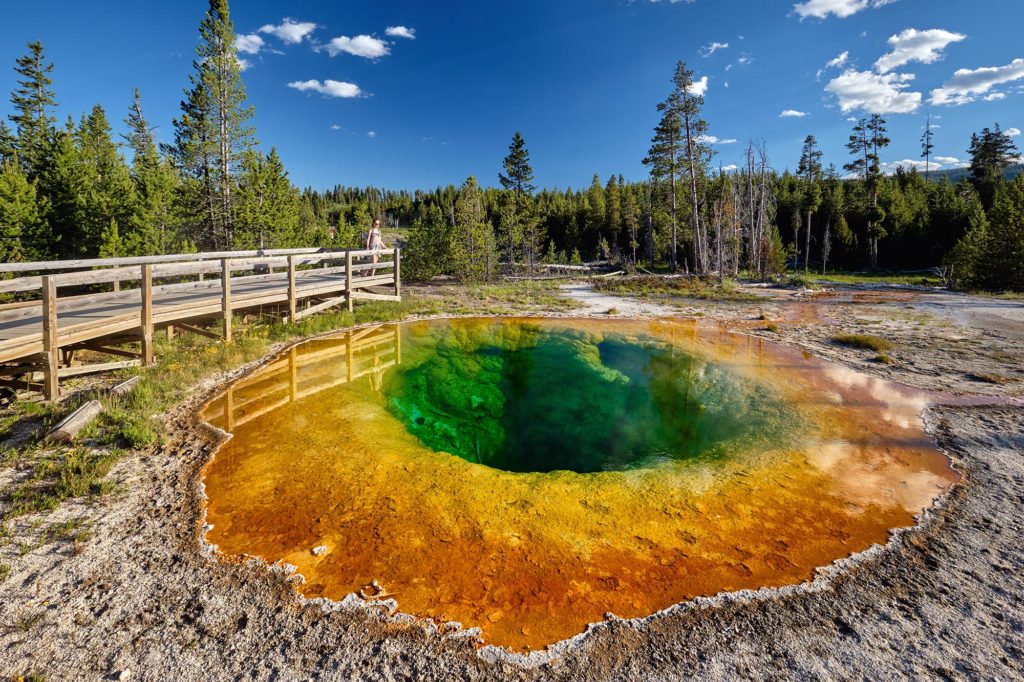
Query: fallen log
[(68, 428), (125, 387)]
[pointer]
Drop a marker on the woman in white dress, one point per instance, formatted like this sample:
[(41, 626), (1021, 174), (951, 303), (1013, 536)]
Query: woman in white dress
[(375, 243)]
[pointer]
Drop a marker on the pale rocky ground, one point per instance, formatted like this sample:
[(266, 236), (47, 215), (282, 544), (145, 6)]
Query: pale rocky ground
[(143, 600)]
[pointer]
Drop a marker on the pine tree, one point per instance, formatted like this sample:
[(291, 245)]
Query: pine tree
[(33, 102), (678, 146), (631, 222), (474, 244), (266, 204), (213, 132), (110, 244), (8, 144), (595, 213), (109, 193), (154, 221), (518, 224), (927, 146), (869, 136), (809, 169), (992, 152), (20, 217), (612, 211)]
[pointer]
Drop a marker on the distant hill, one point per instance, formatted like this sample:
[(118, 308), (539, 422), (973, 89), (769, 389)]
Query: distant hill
[(957, 174)]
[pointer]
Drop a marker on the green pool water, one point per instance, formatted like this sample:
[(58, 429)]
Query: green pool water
[(528, 397)]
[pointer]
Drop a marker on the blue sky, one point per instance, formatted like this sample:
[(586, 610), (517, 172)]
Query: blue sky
[(580, 78)]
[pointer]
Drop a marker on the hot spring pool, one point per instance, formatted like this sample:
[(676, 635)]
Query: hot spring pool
[(528, 476)]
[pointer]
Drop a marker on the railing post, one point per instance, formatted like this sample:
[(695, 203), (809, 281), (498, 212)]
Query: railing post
[(348, 279), (398, 280), (225, 268), (51, 375), (291, 290), (147, 315)]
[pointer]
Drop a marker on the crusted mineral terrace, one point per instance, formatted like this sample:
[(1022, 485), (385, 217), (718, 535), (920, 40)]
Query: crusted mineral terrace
[(145, 599)]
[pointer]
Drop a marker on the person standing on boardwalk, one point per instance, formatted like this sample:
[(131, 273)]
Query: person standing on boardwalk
[(375, 243)]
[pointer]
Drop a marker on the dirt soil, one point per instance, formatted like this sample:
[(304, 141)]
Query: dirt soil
[(144, 600)]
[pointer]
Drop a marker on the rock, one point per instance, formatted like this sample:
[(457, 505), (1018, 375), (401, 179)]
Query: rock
[(320, 550)]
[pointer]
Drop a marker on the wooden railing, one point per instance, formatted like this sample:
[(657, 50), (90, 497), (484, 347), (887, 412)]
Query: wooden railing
[(309, 275)]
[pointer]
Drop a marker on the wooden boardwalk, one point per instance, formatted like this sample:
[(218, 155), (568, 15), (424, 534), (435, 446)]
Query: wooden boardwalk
[(182, 291)]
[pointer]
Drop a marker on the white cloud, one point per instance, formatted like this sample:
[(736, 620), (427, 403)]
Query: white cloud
[(243, 64), (371, 134), (839, 62), (821, 9), (916, 46), (290, 31), (890, 167), (249, 44), (874, 93), (360, 46), (335, 126), (711, 139), (714, 47), (730, 168), (967, 85), (1012, 132), (329, 88), (400, 32), (951, 161), (792, 113), (700, 87), (995, 97)]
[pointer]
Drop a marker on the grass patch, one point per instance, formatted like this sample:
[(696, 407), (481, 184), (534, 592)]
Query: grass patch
[(26, 620), (773, 328), (864, 341), (78, 473), (879, 278), (802, 282), (883, 359), (684, 287), (5, 572)]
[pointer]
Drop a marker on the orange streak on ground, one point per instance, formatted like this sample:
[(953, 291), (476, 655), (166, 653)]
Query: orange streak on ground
[(531, 559)]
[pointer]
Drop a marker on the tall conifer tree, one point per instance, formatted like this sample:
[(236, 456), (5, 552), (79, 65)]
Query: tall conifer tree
[(213, 132)]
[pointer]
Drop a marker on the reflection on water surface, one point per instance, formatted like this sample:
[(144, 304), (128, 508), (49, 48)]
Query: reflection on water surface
[(529, 476)]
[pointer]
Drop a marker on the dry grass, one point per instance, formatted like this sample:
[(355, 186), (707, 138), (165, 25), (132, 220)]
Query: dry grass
[(864, 341)]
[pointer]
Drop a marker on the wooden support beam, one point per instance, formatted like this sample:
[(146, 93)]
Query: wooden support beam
[(107, 350), (197, 330), (147, 314), (97, 368), (170, 332), (329, 303), (348, 280), (226, 297), (291, 289), (50, 347), (370, 296)]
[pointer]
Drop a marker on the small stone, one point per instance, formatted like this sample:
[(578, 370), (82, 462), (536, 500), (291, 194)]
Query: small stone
[(124, 674), (320, 550)]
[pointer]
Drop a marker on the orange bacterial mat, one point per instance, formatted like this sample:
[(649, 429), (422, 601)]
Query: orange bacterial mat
[(529, 476)]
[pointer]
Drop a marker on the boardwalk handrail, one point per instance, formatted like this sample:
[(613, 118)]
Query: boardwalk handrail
[(172, 265), (31, 329), (78, 264)]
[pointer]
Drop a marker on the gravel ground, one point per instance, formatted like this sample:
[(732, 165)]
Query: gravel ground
[(144, 600)]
